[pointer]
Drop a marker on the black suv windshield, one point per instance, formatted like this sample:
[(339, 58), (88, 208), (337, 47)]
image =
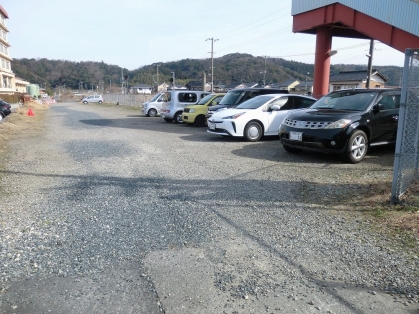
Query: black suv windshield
[(232, 98), (346, 100)]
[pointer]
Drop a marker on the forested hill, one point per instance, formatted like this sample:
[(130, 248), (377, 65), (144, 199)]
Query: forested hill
[(232, 68)]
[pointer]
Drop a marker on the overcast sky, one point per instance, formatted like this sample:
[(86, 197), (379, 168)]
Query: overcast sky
[(133, 33)]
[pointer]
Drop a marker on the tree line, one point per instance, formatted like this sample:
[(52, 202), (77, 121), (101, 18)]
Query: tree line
[(229, 69)]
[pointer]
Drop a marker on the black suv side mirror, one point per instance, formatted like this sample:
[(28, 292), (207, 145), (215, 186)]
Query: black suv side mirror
[(378, 107)]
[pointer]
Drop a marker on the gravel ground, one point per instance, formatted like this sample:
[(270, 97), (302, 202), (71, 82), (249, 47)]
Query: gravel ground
[(107, 211)]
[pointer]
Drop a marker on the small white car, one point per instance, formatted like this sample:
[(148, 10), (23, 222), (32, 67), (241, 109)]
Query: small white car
[(152, 107), (257, 117), (92, 98)]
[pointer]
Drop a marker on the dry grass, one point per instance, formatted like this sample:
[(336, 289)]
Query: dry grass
[(20, 123)]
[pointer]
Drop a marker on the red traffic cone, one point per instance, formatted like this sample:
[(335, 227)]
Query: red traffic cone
[(30, 112)]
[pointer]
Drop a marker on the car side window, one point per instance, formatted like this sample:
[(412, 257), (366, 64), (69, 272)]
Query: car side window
[(300, 102), (187, 97), (216, 100), (278, 102), (289, 104), (390, 101)]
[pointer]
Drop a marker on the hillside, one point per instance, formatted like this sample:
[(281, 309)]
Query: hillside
[(232, 68)]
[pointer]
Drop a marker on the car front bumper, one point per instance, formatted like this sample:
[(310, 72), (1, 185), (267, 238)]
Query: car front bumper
[(321, 140), (223, 127)]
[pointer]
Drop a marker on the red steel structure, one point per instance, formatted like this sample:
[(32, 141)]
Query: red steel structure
[(342, 21)]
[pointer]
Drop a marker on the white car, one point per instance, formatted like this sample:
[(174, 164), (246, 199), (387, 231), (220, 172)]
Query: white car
[(257, 117), (152, 107), (93, 98)]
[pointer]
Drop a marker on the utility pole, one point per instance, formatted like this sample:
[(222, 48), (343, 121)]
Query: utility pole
[(212, 61), (367, 84), (306, 81), (157, 90), (122, 81), (264, 75), (174, 82)]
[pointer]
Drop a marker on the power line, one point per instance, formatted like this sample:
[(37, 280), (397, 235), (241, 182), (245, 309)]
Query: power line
[(247, 24)]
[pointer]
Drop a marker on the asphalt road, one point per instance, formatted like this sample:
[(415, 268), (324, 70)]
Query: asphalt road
[(108, 211)]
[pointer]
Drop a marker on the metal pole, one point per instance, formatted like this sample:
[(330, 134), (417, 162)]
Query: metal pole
[(174, 81), (264, 74), (398, 154), (157, 78), (212, 62), (367, 85), (306, 81)]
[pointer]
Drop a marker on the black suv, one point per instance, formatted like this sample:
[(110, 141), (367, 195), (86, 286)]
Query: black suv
[(235, 97), (5, 109), (344, 122)]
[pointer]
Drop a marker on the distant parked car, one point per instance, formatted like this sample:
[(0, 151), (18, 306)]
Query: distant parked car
[(152, 107), (344, 122), (92, 98), (5, 109), (196, 114), (257, 117)]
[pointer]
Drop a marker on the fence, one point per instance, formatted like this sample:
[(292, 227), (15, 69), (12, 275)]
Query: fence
[(406, 159), (127, 99)]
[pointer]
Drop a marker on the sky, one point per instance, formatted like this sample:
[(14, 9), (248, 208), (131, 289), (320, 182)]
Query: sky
[(134, 33)]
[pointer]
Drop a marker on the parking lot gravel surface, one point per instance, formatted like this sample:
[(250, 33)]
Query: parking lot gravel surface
[(108, 211)]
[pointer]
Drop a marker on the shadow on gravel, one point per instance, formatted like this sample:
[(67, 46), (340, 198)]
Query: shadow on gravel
[(189, 210), (380, 155)]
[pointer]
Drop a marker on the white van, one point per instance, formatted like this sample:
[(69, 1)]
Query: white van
[(152, 107), (175, 100)]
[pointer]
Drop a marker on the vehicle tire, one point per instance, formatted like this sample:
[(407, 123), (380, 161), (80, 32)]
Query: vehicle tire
[(152, 112), (100, 101), (253, 131), (84, 102), (168, 120), (292, 150), (200, 120), (178, 117), (357, 147)]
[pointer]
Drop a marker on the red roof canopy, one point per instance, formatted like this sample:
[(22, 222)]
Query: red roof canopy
[(4, 12)]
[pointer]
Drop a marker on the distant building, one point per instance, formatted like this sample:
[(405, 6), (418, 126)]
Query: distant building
[(7, 77), (288, 85), (21, 85), (356, 79), (141, 89), (234, 86), (197, 85), (250, 84)]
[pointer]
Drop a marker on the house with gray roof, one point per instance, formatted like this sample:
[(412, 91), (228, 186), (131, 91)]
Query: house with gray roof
[(141, 89), (356, 79), (288, 85)]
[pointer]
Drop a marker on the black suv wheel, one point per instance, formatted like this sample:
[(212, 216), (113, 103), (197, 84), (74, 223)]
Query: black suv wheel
[(357, 147)]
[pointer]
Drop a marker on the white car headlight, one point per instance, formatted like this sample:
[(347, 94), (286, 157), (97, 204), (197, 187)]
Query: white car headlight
[(191, 110), (235, 116), (340, 124)]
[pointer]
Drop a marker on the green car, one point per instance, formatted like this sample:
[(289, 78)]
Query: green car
[(195, 114)]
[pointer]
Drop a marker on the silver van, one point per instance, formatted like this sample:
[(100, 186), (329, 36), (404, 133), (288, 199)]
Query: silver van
[(152, 107), (175, 100)]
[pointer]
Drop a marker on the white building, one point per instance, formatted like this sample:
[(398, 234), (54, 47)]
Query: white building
[(7, 77)]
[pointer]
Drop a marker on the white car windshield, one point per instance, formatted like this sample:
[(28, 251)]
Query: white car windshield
[(255, 103), (345, 100)]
